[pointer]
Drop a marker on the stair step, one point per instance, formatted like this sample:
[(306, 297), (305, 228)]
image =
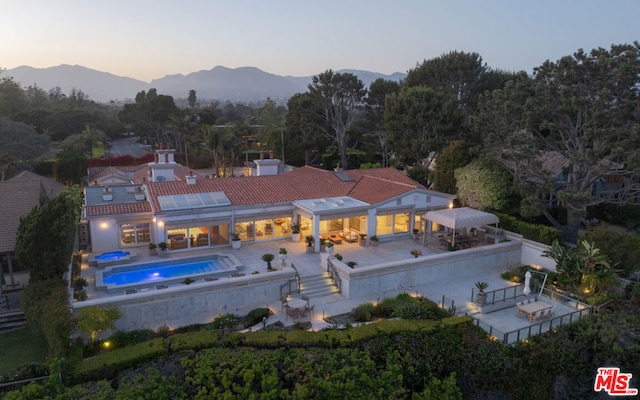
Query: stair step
[(318, 286)]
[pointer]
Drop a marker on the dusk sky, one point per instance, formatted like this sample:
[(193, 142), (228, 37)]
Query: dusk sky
[(150, 39)]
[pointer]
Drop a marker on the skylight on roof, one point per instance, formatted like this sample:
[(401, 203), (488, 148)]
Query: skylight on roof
[(193, 200)]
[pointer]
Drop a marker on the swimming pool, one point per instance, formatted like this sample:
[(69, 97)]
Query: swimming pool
[(156, 273), (112, 255), (148, 275)]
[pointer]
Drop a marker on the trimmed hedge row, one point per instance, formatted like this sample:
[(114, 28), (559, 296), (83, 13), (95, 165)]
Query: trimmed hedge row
[(536, 232), (108, 365)]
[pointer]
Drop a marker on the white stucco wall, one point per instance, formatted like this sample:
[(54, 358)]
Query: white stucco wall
[(366, 281), (197, 303)]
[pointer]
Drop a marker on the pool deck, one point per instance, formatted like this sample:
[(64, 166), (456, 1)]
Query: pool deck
[(458, 290)]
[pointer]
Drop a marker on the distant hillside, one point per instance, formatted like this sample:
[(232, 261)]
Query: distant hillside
[(220, 83)]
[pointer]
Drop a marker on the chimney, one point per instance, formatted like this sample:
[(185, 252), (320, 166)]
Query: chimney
[(262, 155), (271, 154), (191, 180)]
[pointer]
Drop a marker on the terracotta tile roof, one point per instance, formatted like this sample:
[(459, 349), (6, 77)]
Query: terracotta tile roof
[(51, 186), (301, 184), (18, 197), (116, 209), (127, 170), (375, 190)]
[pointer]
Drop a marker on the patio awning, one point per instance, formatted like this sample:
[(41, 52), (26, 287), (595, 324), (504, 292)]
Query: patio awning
[(458, 218)]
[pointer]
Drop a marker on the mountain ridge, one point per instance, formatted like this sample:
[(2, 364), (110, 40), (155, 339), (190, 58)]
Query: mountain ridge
[(242, 84)]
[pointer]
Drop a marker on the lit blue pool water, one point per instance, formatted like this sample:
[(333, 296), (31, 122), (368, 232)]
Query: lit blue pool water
[(152, 272), (112, 255)]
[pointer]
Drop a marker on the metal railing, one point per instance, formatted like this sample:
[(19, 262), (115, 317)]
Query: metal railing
[(333, 274), (286, 288), (544, 326), (447, 304), (538, 328), (498, 295)]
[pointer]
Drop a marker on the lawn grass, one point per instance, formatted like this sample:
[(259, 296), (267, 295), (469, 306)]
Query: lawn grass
[(21, 347)]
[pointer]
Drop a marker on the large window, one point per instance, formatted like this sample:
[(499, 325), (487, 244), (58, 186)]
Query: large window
[(199, 236), (392, 224), (263, 229), (132, 234)]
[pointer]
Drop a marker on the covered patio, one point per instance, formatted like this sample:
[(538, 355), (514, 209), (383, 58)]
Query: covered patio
[(464, 227)]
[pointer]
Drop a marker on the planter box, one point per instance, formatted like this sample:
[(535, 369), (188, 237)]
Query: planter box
[(235, 244)]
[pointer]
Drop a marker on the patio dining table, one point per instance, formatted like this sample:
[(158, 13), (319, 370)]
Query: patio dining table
[(532, 308)]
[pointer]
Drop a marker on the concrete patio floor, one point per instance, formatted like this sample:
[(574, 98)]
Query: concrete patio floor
[(458, 290)]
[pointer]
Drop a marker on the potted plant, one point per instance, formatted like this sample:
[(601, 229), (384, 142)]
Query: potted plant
[(235, 241), (374, 240), (268, 257), (295, 232), (481, 296), (310, 241), (351, 264), (338, 256), (153, 249), (363, 239), (323, 244), (162, 246), (416, 253), (282, 253), (414, 235), (329, 247)]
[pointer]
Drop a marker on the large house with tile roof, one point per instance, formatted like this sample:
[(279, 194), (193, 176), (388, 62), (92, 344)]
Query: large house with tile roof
[(18, 196), (166, 202)]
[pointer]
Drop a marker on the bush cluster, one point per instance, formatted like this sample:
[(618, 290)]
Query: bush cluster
[(402, 306), (536, 232)]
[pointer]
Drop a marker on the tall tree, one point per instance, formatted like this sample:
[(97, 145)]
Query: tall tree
[(305, 130), (375, 101), (583, 111), (420, 122), (192, 100), (218, 142), (44, 241), (20, 144), (339, 96)]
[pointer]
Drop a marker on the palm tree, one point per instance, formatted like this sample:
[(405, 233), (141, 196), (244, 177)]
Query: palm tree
[(216, 141)]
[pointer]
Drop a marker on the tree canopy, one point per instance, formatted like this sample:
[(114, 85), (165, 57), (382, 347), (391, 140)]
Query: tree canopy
[(44, 242), (581, 111), (339, 98)]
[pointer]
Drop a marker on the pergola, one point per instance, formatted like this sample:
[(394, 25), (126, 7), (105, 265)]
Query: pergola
[(460, 218)]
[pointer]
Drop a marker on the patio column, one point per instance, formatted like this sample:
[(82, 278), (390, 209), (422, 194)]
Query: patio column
[(315, 229)]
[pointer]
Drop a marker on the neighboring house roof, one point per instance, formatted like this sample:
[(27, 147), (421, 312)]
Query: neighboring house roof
[(18, 197), (371, 186), (94, 173), (51, 186), (116, 209)]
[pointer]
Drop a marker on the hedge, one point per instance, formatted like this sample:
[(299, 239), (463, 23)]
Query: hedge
[(536, 232), (108, 365)]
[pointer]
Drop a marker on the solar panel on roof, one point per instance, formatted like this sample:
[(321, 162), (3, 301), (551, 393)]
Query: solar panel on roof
[(193, 200)]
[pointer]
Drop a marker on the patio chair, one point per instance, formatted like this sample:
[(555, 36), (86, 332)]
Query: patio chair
[(283, 303), (305, 298), (535, 316)]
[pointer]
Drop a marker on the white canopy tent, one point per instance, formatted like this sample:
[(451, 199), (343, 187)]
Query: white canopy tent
[(460, 218)]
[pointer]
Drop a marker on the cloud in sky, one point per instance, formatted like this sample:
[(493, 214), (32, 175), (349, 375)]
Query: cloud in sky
[(147, 40)]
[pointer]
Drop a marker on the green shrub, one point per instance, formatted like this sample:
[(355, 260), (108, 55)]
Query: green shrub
[(256, 316), (364, 312), (109, 365), (122, 339), (536, 232)]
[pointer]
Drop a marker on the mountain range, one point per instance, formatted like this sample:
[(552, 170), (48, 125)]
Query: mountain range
[(245, 84)]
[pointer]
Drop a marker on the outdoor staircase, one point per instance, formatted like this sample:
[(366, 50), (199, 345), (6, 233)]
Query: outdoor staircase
[(12, 321), (318, 285)]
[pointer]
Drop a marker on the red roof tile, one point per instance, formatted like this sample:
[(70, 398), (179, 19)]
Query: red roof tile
[(115, 209), (371, 185)]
